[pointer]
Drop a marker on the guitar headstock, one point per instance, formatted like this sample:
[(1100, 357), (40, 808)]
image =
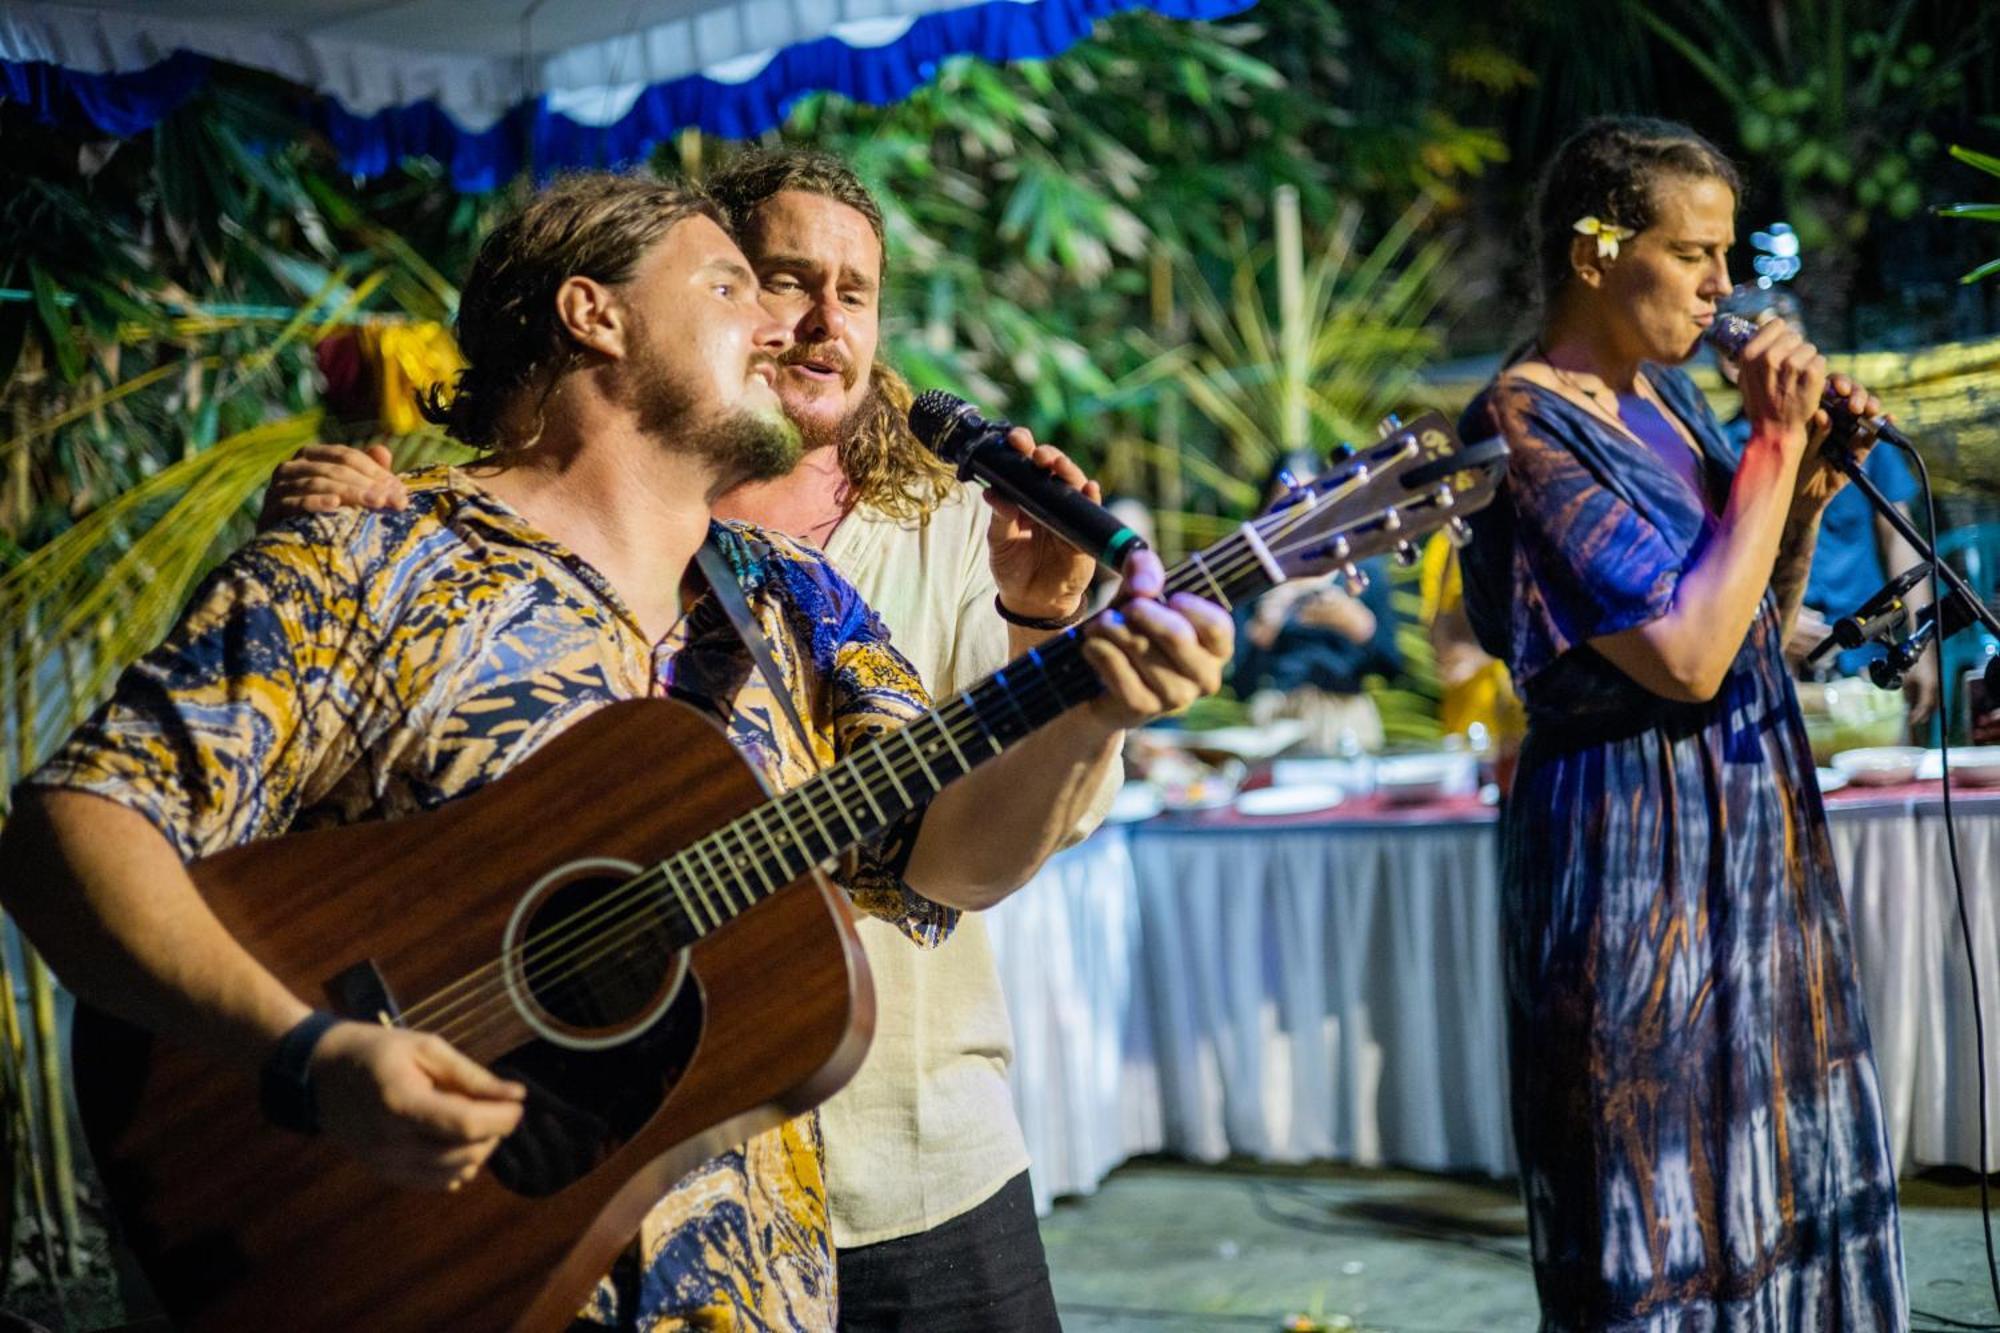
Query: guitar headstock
[(1384, 497)]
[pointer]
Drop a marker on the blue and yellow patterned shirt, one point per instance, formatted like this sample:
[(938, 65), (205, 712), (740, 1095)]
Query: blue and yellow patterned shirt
[(362, 665)]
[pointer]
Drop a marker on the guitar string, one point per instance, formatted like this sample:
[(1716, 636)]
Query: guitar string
[(951, 720), (639, 889), (1038, 690)]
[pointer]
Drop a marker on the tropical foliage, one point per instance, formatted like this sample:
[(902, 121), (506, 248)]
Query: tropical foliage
[(1978, 212), (1178, 249)]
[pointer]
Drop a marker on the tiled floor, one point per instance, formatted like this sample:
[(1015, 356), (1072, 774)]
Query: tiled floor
[(1170, 1248)]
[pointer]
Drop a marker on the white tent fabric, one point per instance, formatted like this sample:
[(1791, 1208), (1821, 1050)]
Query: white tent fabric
[(474, 59)]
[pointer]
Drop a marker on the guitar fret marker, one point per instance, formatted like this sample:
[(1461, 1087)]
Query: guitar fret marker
[(798, 839), (756, 862), (804, 798), (869, 797), (882, 758), (776, 845), (831, 781)]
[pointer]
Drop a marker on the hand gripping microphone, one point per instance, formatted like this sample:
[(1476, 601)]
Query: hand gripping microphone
[(955, 432), (1730, 334)]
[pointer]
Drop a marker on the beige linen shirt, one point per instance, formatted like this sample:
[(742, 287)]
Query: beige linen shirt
[(926, 1131)]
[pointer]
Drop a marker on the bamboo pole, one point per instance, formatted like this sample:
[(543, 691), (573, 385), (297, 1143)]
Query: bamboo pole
[(55, 1159), (21, 1119), (1170, 519), (55, 1108), (1294, 339)]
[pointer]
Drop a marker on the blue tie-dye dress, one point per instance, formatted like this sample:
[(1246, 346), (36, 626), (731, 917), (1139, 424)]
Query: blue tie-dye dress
[(1695, 1106)]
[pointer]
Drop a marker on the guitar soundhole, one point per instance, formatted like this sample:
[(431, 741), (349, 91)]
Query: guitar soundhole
[(593, 956)]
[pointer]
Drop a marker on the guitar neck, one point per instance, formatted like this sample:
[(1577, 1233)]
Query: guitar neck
[(886, 778)]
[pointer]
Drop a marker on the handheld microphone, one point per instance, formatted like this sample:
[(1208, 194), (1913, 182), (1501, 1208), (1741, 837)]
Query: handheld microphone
[(1730, 334), (955, 432)]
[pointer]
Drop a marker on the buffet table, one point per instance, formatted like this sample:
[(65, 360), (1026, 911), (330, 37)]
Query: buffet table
[(1329, 985)]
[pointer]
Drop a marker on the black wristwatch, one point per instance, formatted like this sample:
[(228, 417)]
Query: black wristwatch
[(285, 1088)]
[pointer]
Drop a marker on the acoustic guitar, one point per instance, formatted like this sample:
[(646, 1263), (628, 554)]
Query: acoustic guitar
[(629, 924)]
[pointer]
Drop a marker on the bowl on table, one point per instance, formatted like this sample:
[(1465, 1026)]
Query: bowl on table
[(1411, 779), (1880, 765), (1848, 715)]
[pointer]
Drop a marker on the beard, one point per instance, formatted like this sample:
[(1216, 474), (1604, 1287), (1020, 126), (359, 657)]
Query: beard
[(743, 444)]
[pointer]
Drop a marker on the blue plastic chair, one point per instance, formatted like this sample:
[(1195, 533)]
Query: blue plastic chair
[(1974, 551)]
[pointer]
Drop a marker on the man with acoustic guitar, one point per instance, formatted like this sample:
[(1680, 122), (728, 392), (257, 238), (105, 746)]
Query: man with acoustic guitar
[(933, 1218), (365, 665)]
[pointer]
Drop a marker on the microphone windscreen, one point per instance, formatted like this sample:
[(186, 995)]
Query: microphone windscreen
[(932, 412)]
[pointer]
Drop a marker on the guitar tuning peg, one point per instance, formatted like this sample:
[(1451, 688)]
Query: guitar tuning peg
[(1355, 577), (1392, 521), (1459, 531), (1341, 452), (1407, 554), (1288, 479), (1389, 425), (1445, 496)]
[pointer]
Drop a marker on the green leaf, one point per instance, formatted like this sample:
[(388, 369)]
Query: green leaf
[(56, 325), (1984, 162), (1985, 270)]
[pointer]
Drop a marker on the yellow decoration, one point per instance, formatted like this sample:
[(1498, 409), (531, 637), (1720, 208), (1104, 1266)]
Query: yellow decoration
[(409, 358)]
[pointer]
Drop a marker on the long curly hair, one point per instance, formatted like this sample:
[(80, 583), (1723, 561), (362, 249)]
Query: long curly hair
[(592, 224), (1608, 169), (886, 466)]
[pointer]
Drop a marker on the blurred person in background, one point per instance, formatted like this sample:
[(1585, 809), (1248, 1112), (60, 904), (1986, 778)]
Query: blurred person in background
[(1304, 649), (1477, 694)]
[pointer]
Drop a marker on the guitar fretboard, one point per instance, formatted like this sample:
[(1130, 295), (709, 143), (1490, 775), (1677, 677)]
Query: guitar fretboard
[(883, 780)]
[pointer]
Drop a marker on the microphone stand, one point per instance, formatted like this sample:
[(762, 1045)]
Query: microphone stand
[(1962, 606)]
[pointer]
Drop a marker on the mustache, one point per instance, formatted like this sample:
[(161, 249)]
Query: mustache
[(828, 353)]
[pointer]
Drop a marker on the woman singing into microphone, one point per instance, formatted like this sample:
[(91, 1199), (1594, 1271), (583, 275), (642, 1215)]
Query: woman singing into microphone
[(1695, 1106)]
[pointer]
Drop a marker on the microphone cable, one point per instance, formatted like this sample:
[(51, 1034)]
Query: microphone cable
[(1958, 875)]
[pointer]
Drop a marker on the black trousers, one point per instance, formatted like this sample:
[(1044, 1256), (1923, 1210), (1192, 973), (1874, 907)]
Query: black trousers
[(981, 1272)]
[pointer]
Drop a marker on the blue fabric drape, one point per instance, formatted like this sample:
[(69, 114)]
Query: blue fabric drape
[(532, 135), (116, 105)]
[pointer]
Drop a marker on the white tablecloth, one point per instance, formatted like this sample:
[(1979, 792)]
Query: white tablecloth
[(1334, 991)]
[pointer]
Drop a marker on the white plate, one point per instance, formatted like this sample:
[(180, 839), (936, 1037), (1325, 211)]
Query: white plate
[(1271, 801), (1880, 765), (1831, 780), (1135, 801), (1971, 765), (1249, 744)]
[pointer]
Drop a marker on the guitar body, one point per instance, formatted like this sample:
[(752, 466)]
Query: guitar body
[(637, 1073)]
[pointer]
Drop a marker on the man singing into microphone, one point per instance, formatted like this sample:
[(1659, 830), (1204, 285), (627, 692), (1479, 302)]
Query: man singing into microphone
[(933, 1221)]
